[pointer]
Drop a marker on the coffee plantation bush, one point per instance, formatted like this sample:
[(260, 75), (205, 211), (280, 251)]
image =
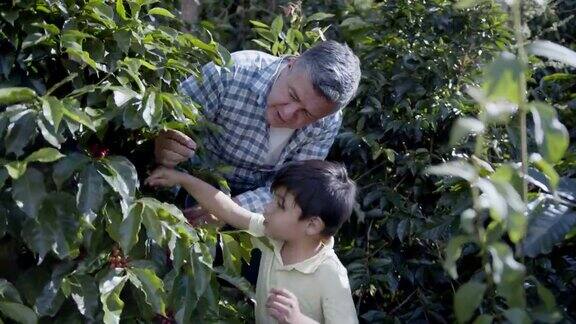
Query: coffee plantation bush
[(417, 59), (84, 86)]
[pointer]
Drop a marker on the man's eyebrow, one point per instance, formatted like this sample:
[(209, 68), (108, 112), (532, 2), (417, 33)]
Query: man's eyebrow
[(293, 91)]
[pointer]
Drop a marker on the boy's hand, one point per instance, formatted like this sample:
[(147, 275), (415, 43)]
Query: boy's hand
[(165, 177), (283, 306)]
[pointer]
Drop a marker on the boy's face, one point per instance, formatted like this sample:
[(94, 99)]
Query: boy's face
[(282, 217)]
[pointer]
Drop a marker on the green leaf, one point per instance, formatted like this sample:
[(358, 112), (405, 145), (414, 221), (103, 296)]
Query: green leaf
[(508, 274), (152, 109), (10, 96), (18, 312), (161, 12), (51, 298), (123, 40), (50, 134), (53, 110), (547, 169), (501, 79), (154, 228), (549, 224), (110, 288), (237, 281), (152, 287), (483, 319), (467, 299), (121, 175), (453, 252), (493, 199), (454, 169), (83, 56), (546, 296), (8, 292), (550, 134), (90, 191), (130, 227), (318, 16), (464, 127), (162, 208), (354, 23), (276, 27), (21, 130), (76, 115), (84, 292), (517, 316), (467, 220), (465, 4), (29, 191), (120, 9), (266, 34), (16, 168), (259, 24), (262, 44), (44, 155), (67, 166), (56, 228), (123, 95), (552, 51)]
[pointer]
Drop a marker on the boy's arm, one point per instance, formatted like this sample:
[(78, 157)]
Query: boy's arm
[(337, 304), (216, 202)]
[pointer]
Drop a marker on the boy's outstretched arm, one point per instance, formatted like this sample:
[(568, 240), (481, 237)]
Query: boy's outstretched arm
[(210, 198)]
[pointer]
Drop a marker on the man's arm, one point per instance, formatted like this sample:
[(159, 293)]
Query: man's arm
[(173, 147)]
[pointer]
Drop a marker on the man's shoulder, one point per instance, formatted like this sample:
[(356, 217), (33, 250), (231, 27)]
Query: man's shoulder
[(252, 60)]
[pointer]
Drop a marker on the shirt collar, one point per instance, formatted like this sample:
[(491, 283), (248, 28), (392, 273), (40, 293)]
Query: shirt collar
[(307, 266)]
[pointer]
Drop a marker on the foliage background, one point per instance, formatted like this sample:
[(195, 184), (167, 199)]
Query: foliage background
[(416, 59)]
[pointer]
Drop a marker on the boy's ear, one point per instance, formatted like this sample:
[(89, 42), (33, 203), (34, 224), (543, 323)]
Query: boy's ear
[(315, 226)]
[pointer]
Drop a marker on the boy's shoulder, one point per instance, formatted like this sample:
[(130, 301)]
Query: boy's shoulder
[(332, 275), (332, 264)]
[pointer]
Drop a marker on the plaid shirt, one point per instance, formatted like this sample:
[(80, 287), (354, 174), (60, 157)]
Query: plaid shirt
[(235, 100)]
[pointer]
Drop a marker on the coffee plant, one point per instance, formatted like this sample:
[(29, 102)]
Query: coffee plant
[(84, 87)]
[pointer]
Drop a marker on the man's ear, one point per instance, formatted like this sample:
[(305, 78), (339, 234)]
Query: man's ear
[(291, 61), (315, 226)]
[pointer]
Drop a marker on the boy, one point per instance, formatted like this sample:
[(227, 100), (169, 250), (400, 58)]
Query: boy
[(301, 280)]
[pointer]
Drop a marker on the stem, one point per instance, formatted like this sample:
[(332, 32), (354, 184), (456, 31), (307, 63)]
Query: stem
[(59, 84), (522, 105)]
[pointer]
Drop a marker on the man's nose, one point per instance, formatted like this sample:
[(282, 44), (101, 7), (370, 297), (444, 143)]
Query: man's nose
[(291, 110)]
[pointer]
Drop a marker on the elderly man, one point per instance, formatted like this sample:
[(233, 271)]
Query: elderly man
[(270, 111)]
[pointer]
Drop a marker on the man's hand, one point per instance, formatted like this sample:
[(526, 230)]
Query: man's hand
[(165, 177), (172, 147), (283, 306)]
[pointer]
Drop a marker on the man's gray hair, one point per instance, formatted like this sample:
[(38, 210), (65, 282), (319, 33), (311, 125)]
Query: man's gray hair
[(333, 69)]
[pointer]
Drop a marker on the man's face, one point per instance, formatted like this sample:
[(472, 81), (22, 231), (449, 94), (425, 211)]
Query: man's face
[(282, 217), (293, 102)]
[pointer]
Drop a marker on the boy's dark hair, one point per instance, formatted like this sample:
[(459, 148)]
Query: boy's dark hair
[(320, 188)]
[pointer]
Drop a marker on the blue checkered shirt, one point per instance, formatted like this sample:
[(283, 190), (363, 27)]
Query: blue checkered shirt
[(235, 100)]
